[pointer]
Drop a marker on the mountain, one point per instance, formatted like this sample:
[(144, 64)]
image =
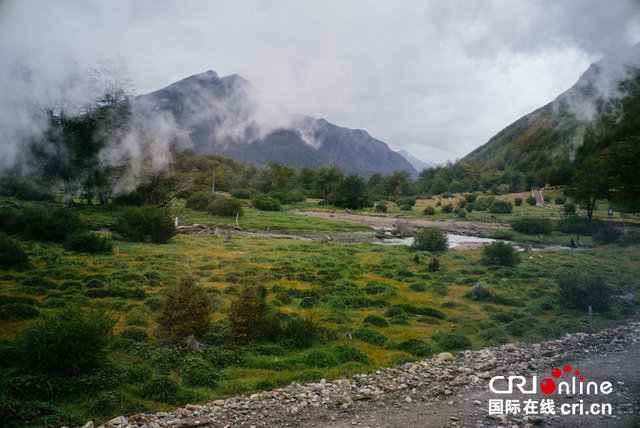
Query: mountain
[(417, 163), (602, 107), (227, 115)]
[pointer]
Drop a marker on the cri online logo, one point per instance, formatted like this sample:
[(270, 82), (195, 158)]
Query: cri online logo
[(548, 386)]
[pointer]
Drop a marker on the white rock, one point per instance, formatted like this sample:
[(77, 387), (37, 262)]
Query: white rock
[(408, 399), (120, 420), (446, 356), (88, 425)]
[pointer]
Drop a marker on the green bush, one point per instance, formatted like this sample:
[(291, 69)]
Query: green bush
[(531, 200), (578, 289), (447, 209), (296, 332), (575, 225), (501, 207), (418, 287), (69, 342), (471, 198), (560, 200), (370, 336), (18, 311), (41, 223), (517, 202), (241, 193), (26, 189), (161, 388), (506, 235), (91, 242), (500, 254), (12, 254), (376, 287), (405, 207), (376, 320), (482, 204), (430, 239), (187, 311), (521, 327), (347, 353), (199, 201), (494, 336), (319, 358), (136, 334), (455, 342), (480, 291), (533, 225), (227, 207), (381, 207), (39, 282), (570, 207), (265, 203), (406, 201), (195, 371), (145, 224), (416, 347), (429, 211), (607, 236)]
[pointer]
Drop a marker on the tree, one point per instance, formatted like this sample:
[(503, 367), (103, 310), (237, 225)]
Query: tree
[(187, 311), (430, 239), (590, 183), (351, 193), (620, 162), (249, 314), (327, 179)]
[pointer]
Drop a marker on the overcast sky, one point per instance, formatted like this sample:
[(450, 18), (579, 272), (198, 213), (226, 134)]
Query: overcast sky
[(436, 78)]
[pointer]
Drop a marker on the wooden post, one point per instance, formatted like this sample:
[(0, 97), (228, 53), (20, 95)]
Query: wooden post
[(213, 182), (590, 321)]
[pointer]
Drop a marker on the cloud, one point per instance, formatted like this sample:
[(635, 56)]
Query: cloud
[(435, 78)]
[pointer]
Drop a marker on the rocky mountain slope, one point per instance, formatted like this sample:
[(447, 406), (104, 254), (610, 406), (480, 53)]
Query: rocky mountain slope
[(600, 108), (227, 116)]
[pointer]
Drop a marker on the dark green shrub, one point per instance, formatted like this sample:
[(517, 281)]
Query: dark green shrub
[(381, 207), (575, 225), (480, 291), (135, 333), (241, 193), (532, 225), (434, 264), (12, 254), (570, 207), (506, 316), (297, 332), (41, 223), (471, 198), (578, 289), (145, 225), (517, 202), (55, 302), (24, 188), (505, 300), (376, 320), (500, 207), (187, 311), (494, 336), (482, 204), (199, 201), (607, 236), (196, 371), (405, 207), (447, 209), (416, 347), (69, 342), (455, 342), (226, 207), (319, 358), (370, 336), (521, 327), (39, 282), (531, 200), (161, 388), (630, 237), (462, 214), (429, 211), (560, 200), (406, 201), (418, 287), (18, 311), (265, 203), (93, 243), (430, 239), (376, 287), (500, 254), (346, 353), (506, 235), (424, 311)]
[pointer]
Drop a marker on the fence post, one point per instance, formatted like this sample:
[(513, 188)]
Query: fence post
[(590, 320)]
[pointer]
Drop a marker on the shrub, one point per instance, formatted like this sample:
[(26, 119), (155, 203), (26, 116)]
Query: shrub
[(226, 207), (494, 336), (405, 207), (455, 342), (195, 371), (406, 201), (416, 347), (434, 264), (370, 336), (482, 204), (69, 342), (429, 211), (346, 353), (319, 358), (607, 236), (376, 287), (93, 243), (501, 207), (532, 225), (265, 203), (500, 254), (160, 388), (294, 331), (381, 207), (418, 287), (570, 207), (39, 282), (18, 311), (376, 320), (187, 311), (135, 333), (41, 223), (575, 225), (199, 201), (560, 200), (12, 254), (430, 239), (145, 225), (517, 202), (241, 193), (249, 314), (520, 327), (578, 289), (447, 209), (480, 291), (24, 188), (506, 235), (531, 200), (471, 198)]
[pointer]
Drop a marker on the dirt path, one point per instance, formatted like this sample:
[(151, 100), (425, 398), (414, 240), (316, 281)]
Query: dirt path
[(454, 226)]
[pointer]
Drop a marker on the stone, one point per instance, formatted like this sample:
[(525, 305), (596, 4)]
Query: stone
[(446, 356), (408, 399), (510, 347), (89, 424), (120, 420)]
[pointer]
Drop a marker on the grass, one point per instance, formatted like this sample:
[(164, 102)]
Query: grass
[(298, 267)]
